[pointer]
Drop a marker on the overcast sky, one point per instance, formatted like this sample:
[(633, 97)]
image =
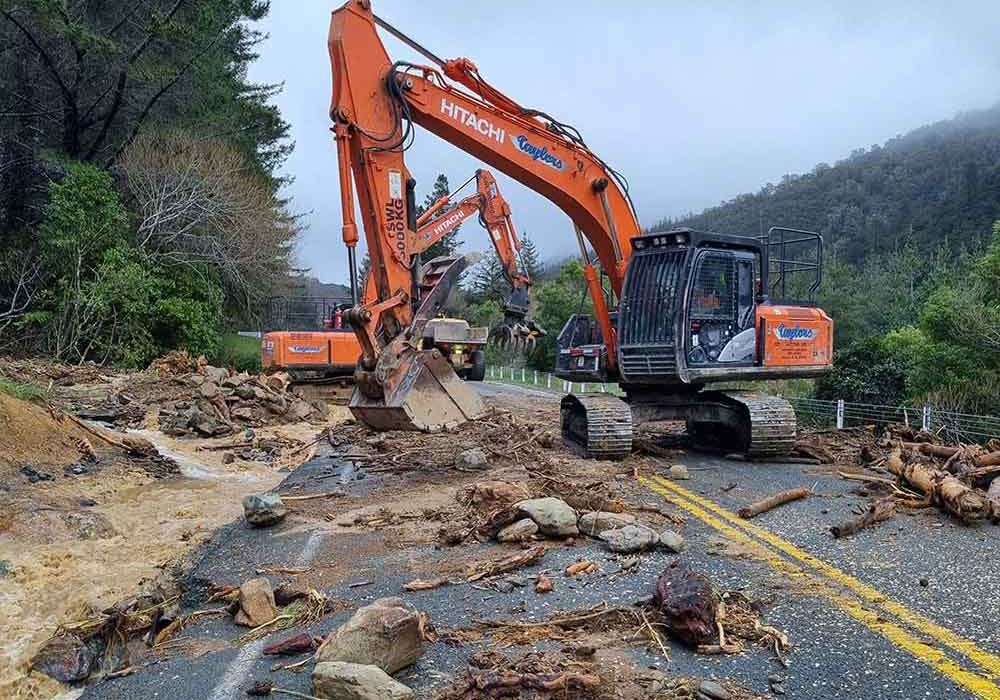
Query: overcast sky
[(693, 102)]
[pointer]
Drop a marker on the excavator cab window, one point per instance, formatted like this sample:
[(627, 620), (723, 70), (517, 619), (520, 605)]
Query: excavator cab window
[(721, 308)]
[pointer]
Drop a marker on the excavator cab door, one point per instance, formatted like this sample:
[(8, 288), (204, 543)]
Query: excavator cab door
[(721, 304)]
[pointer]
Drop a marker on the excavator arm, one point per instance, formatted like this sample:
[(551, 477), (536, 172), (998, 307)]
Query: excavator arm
[(375, 104)]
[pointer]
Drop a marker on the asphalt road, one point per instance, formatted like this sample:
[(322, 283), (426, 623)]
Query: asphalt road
[(860, 622)]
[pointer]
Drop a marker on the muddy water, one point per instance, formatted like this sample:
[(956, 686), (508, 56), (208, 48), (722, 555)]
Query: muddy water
[(55, 576)]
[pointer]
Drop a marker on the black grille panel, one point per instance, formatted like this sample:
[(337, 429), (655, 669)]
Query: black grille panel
[(650, 362), (650, 298)]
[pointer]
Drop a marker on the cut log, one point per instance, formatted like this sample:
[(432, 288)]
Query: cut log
[(942, 488), (507, 564), (771, 502), (815, 451), (877, 511)]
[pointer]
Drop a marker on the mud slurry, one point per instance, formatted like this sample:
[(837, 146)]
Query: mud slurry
[(78, 543)]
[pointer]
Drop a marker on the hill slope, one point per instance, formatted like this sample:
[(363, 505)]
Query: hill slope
[(938, 183)]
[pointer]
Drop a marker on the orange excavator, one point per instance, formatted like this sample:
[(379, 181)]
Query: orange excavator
[(683, 309), (328, 357)]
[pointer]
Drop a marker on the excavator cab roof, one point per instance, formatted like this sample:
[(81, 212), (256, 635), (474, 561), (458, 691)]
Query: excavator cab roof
[(691, 238)]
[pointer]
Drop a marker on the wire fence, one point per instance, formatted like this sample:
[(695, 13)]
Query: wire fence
[(952, 426)]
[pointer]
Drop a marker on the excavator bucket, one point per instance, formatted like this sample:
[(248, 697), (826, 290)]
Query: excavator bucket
[(424, 394), (412, 388)]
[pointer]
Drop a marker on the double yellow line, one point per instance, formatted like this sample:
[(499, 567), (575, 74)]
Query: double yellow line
[(865, 604)]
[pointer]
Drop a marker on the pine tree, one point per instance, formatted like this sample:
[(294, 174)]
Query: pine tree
[(529, 256), (449, 243), (489, 281)]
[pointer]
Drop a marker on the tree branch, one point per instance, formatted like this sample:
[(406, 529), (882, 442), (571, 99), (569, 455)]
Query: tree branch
[(46, 59)]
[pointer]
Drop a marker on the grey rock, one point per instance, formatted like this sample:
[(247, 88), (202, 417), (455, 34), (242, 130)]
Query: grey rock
[(518, 532), (4, 568), (339, 680), (216, 374), (264, 509), (672, 541), (629, 539), (245, 392), (242, 413), (678, 471), (301, 410), (67, 658), (714, 690), (473, 458), (598, 521), (553, 516), (209, 390), (90, 525), (385, 634)]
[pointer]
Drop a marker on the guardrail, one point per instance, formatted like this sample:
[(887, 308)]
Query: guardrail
[(952, 426)]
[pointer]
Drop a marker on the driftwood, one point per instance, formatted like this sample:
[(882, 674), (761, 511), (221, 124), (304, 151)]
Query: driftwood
[(877, 511), (988, 459), (507, 564), (815, 451), (425, 585), (942, 488), (771, 502)]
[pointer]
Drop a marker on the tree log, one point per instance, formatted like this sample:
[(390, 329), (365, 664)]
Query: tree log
[(755, 509), (963, 502), (878, 510), (988, 459)]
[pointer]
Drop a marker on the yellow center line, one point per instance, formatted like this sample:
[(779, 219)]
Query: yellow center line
[(819, 579), (989, 662)]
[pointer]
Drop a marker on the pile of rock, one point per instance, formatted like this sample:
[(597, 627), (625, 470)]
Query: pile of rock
[(218, 402), (532, 518)]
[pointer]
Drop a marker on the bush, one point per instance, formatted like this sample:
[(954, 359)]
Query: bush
[(239, 353), (865, 372)]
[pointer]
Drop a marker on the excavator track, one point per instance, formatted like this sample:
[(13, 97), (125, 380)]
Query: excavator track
[(598, 425), (768, 422)]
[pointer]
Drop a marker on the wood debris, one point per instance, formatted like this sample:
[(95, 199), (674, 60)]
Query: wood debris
[(772, 502), (877, 511), (506, 564)]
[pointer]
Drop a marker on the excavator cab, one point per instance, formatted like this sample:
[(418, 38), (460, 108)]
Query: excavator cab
[(695, 310)]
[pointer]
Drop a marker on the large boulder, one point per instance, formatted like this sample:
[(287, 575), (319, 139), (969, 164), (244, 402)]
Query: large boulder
[(598, 521), (492, 493), (256, 603), (385, 634), (553, 516), (337, 680), (629, 539), (262, 510)]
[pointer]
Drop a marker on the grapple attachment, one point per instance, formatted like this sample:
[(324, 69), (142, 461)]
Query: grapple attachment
[(422, 393)]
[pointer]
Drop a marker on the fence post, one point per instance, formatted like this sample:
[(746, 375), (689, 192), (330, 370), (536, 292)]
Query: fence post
[(522, 375), (534, 377), (925, 424), (548, 381), (840, 414)]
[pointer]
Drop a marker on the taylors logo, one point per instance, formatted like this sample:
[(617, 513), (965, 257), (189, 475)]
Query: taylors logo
[(536, 153), (307, 349), (464, 116), (794, 332)]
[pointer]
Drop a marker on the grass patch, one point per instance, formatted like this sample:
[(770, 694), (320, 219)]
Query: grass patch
[(239, 352), (23, 391)]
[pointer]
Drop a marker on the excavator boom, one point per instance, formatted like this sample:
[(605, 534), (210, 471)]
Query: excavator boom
[(691, 307)]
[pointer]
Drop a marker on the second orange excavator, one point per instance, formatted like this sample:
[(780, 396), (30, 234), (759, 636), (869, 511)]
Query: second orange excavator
[(685, 309), (327, 356)]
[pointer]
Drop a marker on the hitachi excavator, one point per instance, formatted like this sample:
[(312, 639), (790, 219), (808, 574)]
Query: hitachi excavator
[(327, 358), (684, 308)]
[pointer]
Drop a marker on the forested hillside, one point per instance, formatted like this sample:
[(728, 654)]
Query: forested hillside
[(139, 205), (936, 184)]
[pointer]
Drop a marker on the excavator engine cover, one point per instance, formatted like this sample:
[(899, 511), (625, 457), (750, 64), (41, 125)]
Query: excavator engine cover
[(425, 394)]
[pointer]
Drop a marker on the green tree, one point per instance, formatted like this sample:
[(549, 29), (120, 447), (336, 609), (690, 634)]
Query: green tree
[(489, 280), (555, 301), (529, 256)]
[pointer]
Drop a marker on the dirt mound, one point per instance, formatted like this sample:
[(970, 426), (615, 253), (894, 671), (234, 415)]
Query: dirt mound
[(29, 435)]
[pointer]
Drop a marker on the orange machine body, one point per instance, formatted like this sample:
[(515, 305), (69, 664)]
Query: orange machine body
[(330, 353), (794, 336)]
